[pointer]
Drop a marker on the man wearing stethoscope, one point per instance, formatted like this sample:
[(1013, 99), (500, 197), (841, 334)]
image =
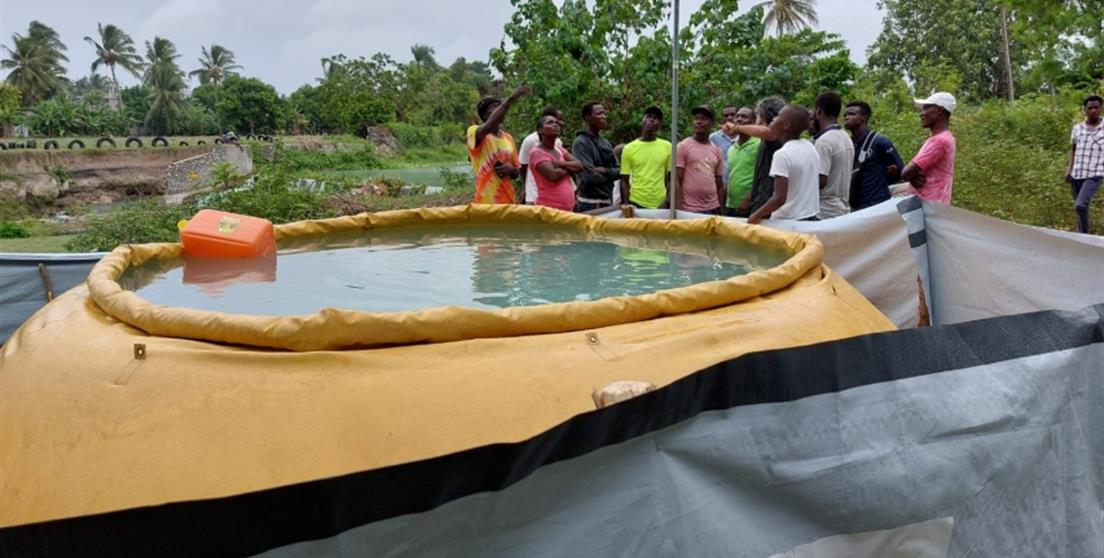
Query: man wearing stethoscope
[(877, 163)]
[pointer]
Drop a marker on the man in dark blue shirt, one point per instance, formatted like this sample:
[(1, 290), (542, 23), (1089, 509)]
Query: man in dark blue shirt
[(877, 163)]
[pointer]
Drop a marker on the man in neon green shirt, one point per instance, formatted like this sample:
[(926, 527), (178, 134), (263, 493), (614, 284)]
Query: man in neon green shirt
[(645, 163), (741, 167)]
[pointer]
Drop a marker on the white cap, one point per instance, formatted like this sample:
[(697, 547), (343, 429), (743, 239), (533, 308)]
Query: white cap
[(940, 99)]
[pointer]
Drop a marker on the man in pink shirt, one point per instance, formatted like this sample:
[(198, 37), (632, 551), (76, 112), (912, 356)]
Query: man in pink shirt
[(931, 172), (699, 168)]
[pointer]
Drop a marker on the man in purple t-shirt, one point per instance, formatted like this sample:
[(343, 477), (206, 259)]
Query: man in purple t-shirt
[(700, 167), (931, 172)]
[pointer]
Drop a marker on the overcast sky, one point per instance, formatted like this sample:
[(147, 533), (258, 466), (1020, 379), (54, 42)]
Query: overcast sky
[(282, 41)]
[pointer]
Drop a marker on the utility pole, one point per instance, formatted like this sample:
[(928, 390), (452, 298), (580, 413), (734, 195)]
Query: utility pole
[(672, 188), (1007, 52)]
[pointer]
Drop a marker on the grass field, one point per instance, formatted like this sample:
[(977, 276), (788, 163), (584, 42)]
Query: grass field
[(35, 243)]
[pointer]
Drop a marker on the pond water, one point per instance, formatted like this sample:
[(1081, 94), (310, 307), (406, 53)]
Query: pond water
[(417, 268), (428, 176)]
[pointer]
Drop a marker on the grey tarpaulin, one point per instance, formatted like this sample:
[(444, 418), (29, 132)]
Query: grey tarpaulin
[(22, 291), (979, 267), (1007, 441)]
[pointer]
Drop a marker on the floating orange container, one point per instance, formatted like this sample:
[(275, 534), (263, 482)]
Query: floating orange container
[(218, 234)]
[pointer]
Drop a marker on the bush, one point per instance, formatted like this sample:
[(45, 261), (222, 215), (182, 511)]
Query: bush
[(12, 229), (455, 180), (292, 160), (410, 136), (138, 222)]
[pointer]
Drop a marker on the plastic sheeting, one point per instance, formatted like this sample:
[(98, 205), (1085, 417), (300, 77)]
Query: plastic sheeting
[(23, 290), (981, 267), (186, 419), (868, 446)]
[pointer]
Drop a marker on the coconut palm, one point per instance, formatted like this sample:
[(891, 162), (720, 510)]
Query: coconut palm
[(115, 48), (166, 81), (161, 53), (214, 65), (167, 103), (33, 69), (49, 40), (424, 56), (787, 16)]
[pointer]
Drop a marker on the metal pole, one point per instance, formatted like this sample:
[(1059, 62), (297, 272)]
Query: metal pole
[(672, 188)]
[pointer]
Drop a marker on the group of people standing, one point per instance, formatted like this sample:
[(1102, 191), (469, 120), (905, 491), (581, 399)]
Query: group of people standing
[(755, 164)]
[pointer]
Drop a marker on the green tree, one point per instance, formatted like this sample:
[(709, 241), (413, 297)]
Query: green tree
[(34, 62), (10, 101), (93, 83), (788, 16), (136, 102), (215, 65), (45, 36), (357, 93), (115, 48), (166, 82), (57, 116), (424, 56), (306, 102), (249, 105)]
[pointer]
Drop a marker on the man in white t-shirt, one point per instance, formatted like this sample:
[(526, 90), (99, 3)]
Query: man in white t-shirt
[(837, 153), (795, 171), (527, 145)]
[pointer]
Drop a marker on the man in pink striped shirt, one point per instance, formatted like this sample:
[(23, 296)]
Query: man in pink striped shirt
[(931, 172)]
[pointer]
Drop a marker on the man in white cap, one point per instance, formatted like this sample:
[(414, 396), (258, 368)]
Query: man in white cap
[(931, 172)]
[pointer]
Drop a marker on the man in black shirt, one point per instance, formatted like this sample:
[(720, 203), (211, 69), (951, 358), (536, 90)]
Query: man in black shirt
[(600, 167), (877, 163)]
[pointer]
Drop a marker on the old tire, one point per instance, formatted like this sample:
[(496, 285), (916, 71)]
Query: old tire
[(133, 142), (183, 143), (218, 141), (201, 142), (159, 142), (76, 144), (50, 144), (31, 144), (105, 141)]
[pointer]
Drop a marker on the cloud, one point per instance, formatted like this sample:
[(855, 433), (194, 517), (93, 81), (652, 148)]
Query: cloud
[(192, 17)]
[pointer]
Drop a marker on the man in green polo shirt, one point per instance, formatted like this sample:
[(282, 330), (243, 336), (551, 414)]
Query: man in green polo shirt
[(742, 155), (645, 163)]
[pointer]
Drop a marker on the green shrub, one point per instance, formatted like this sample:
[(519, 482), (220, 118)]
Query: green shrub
[(293, 160), (455, 180), (138, 222), (13, 229), (411, 136), (273, 197)]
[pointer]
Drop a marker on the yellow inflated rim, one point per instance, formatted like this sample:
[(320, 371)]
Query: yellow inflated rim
[(331, 329)]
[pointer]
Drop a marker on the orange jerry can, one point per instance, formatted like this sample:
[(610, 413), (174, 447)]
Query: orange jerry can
[(218, 234)]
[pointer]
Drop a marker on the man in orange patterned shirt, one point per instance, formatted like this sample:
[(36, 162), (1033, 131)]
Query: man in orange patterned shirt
[(492, 151)]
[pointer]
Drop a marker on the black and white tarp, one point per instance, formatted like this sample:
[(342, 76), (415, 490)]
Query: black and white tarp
[(978, 439)]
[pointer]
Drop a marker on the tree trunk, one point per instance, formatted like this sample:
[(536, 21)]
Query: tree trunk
[(1007, 52)]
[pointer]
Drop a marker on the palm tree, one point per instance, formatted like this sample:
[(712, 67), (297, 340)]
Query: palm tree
[(214, 65), (787, 16), (34, 69), (49, 40), (167, 103), (166, 81), (115, 48), (161, 53), (424, 56)]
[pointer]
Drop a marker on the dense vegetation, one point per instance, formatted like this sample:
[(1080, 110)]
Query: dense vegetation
[(1018, 67)]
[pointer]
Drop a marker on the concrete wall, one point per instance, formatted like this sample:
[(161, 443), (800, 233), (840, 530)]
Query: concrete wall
[(194, 173)]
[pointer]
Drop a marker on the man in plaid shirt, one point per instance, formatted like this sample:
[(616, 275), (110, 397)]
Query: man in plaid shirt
[(1086, 165)]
